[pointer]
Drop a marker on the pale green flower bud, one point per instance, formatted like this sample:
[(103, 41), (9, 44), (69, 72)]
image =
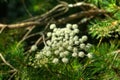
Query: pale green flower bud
[(75, 49), (49, 43), (55, 60), (89, 55), (53, 45), (65, 43), (88, 46), (69, 26), (69, 48), (74, 54), (75, 26), (67, 31), (81, 54), (80, 40), (33, 48), (82, 46), (61, 49), (66, 53), (62, 54), (76, 31), (48, 53), (84, 38), (55, 29), (66, 36), (46, 48), (49, 34), (52, 26), (65, 60), (77, 42), (75, 38), (56, 52), (38, 56), (71, 42), (72, 34), (64, 40)]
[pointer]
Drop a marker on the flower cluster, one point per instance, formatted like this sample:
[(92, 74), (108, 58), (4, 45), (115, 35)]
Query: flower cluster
[(64, 44)]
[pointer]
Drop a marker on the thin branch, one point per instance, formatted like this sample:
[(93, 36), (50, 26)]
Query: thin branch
[(25, 7), (44, 39), (55, 13), (117, 51), (2, 29), (84, 20), (47, 14), (37, 42), (59, 21), (19, 25), (78, 4), (8, 64), (31, 35), (26, 35), (12, 75), (80, 15)]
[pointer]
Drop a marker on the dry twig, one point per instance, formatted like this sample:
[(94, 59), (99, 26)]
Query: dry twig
[(55, 12), (8, 64)]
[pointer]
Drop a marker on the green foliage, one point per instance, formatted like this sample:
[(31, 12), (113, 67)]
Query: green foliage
[(40, 6), (14, 55), (105, 28), (117, 15), (8, 38), (104, 65)]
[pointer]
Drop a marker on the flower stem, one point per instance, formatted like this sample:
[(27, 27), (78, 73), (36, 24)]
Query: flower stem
[(100, 41)]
